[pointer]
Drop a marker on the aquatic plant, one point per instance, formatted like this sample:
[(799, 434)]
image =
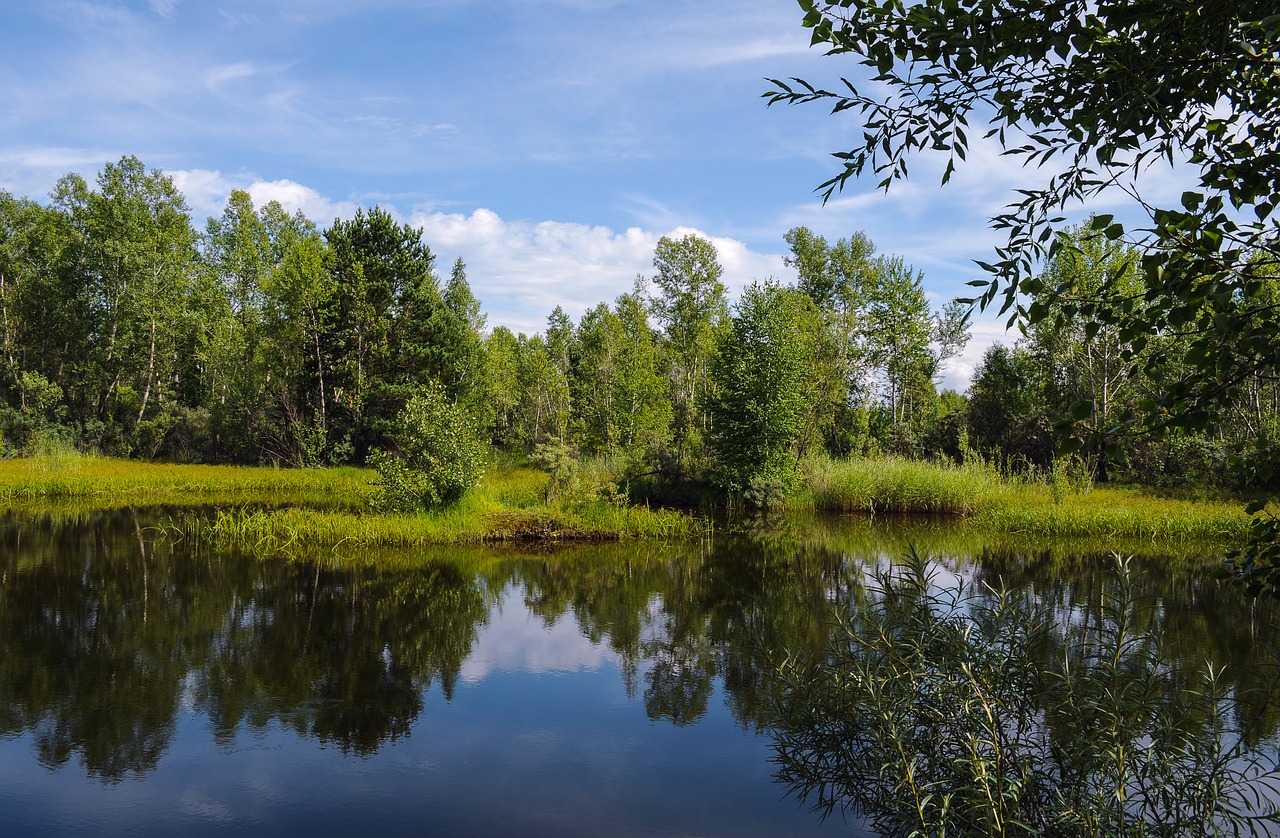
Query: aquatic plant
[(940, 710)]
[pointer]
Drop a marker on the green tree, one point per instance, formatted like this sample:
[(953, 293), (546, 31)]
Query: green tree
[(543, 388), (1092, 94), (1009, 415), (300, 310), (386, 296), (620, 398), (760, 371), (462, 336), (135, 247), (690, 306), (1093, 370), (44, 325), (501, 383), (438, 455), (236, 251), (839, 279)]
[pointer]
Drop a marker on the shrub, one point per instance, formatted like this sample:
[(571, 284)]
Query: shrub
[(438, 455)]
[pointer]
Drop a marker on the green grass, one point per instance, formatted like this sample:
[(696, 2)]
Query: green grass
[(105, 481), (1033, 510), (891, 484), (279, 509)]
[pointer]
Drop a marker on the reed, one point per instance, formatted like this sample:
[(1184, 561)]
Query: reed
[(476, 519), (892, 484), (1035, 510), (1110, 513)]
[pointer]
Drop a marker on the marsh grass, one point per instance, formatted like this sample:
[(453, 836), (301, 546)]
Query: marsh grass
[(512, 503), (892, 484), (114, 482), (1026, 509), (939, 710)]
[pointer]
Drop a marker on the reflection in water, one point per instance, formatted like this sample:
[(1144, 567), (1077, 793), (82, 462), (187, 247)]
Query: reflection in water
[(111, 632)]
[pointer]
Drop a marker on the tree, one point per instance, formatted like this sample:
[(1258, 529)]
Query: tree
[(438, 455), (1092, 375), (620, 399), (1101, 91), (236, 251), (1009, 417), (760, 371), (690, 306), (135, 251), (839, 279), (387, 294)]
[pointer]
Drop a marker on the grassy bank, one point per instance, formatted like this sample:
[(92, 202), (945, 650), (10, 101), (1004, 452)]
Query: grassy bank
[(105, 481), (325, 507), (1038, 510)]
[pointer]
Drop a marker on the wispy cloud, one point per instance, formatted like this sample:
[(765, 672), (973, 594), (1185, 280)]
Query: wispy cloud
[(166, 9)]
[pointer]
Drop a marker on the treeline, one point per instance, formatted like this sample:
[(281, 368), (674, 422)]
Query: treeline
[(263, 338), (1069, 376)]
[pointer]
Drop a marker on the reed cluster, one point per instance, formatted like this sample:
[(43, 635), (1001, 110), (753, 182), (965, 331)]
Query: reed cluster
[(945, 710), (893, 484)]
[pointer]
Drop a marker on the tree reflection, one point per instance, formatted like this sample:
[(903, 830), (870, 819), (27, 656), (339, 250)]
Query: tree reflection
[(109, 631), (938, 709)]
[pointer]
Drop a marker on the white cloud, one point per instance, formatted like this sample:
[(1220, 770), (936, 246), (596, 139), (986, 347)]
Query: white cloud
[(207, 192), (218, 76), (521, 270), (514, 640), (166, 9)]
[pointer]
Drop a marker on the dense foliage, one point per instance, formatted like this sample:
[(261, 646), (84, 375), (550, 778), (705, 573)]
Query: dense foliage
[(437, 458), (265, 339), (1091, 95)]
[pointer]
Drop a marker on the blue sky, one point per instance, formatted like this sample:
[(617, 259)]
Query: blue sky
[(549, 143)]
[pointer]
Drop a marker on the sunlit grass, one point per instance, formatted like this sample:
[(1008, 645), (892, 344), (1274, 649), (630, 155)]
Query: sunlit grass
[(1105, 512), (115, 482), (892, 484), (281, 508), (1035, 510)]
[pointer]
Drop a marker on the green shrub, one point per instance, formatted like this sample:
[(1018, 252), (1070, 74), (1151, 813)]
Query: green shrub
[(439, 456)]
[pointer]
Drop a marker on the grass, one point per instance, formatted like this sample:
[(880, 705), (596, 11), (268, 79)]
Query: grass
[(990, 504), (891, 484), (278, 509), (105, 481)]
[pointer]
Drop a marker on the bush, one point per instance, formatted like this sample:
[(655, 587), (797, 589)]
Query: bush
[(438, 455), (941, 712)]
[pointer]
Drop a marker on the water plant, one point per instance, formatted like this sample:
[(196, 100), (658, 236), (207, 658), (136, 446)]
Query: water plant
[(941, 710)]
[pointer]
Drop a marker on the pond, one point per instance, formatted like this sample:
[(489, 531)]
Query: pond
[(156, 684)]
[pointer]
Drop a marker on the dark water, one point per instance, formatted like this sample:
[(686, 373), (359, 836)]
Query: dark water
[(158, 686)]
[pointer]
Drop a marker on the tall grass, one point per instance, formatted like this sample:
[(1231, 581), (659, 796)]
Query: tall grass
[(991, 504), (478, 518), (892, 484), (70, 475), (513, 503)]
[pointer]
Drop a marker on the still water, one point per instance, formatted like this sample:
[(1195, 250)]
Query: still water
[(156, 685)]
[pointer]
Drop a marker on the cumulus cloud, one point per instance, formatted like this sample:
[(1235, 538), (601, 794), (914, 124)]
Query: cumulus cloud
[(207, 192), (521, 270)]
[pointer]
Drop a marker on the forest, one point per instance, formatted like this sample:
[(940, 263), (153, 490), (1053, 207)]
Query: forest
[(263, 339)]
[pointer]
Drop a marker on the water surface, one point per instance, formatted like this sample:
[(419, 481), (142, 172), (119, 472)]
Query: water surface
[(158, 685)]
